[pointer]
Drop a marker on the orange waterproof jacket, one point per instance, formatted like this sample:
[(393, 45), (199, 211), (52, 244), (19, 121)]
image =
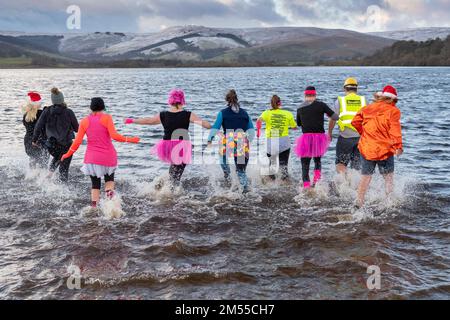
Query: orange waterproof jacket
[(380, 129)]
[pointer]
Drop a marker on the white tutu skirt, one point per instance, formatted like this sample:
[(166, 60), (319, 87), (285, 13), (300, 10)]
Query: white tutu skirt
[(96, 170)]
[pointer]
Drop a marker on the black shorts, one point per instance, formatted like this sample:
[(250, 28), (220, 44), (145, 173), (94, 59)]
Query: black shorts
[(347, 153), (385, 166)]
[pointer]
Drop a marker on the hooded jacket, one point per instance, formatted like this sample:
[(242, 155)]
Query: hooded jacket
[(59, 123), (380, 129)]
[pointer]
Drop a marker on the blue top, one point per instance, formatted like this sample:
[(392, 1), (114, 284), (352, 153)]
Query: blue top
[(232, 121)]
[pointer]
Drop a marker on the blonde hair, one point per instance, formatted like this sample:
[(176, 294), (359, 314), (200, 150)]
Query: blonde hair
[(388, 100), (30, 111), (377, 97)]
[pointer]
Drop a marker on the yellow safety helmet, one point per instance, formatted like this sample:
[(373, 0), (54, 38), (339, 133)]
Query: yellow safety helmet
[(351, 82)]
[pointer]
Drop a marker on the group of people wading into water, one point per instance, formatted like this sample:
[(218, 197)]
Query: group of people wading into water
[(369, 136)]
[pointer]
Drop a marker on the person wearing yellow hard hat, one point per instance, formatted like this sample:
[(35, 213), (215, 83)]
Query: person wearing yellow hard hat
[(347, 153)]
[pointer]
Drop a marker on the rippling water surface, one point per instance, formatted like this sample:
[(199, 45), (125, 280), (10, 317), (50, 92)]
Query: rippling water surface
[(211, 242)]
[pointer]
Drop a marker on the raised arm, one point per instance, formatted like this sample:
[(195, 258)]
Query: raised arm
[(82, 128), (197, 120), (145, 121), (107, 122)]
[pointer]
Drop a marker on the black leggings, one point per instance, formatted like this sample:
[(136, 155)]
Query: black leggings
[(175, 173), (57, 152), (284, 163), (306, 162), (97, 182)]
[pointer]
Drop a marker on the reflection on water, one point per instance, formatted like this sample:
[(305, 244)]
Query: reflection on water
[(205, 241)]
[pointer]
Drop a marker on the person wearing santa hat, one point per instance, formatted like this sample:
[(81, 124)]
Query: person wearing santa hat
[(31, 112), (381, 139)]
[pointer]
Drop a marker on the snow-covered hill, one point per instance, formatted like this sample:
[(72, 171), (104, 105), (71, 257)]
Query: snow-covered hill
[(421, 34), (219, 44)]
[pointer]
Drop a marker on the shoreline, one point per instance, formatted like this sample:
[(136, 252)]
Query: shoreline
[(207, 67)]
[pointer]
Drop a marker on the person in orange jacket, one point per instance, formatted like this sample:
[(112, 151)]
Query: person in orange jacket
[(381, 139)]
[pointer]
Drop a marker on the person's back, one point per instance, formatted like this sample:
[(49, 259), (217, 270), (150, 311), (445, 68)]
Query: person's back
[(311, 116), (234, 121), (381, 139), (380, 130), (30, 125), (32, 113), (278, 122), (239, 131), (100, 160), (347, 153), (349, 106), (176, 124), (60, 124), (313, 144), (100, 149)]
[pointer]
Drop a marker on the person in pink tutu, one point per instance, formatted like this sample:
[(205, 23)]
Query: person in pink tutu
[(175, 148), (314, 143)]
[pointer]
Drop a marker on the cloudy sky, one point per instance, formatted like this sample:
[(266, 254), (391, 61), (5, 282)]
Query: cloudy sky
[(154, 15)]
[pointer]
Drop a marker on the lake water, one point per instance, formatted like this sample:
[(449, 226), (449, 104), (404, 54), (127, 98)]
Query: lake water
[(211, 242)]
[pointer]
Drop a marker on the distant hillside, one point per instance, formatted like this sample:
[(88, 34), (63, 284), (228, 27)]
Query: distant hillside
[(419, 34), (412, 53), (17, 52), (195, 45)]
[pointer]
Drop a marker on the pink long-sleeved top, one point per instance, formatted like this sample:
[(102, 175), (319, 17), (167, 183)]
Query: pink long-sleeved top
[(100, 131)]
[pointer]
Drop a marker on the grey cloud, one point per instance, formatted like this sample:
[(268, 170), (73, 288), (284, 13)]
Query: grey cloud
[(123, 15)]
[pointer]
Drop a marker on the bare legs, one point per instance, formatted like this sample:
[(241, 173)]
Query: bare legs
[(96, 187), (95, 195), (362, 189), (341, 169), (365, 183)]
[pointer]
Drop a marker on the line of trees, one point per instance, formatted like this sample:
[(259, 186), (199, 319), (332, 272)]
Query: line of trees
[(411, 53)]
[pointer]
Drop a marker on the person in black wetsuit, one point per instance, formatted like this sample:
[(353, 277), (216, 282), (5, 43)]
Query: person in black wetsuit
[(59, 123), (314, 143), (175, 148), (32, 112)]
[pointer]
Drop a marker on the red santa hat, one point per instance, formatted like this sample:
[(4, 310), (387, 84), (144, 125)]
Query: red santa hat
[(34, 97), (390, 92)]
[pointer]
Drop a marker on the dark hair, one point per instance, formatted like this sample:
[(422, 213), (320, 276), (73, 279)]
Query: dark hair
[(97, 104), (351, 88), (232, 98), (276, 102)]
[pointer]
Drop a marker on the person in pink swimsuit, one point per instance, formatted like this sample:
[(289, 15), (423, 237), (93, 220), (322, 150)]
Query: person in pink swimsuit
[(100, 159)]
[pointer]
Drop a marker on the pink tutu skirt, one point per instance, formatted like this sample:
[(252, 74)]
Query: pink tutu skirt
[(173, 151), (312, 145)]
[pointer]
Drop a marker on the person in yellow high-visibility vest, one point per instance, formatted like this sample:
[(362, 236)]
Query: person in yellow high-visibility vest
[(347, 153)]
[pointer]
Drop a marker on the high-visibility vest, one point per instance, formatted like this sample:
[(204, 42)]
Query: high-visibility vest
[(349, 107)]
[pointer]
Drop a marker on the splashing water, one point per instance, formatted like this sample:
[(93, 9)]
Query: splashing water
[(206, 239)]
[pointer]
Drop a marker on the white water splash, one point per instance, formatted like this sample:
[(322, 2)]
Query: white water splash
[(112, 208)]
